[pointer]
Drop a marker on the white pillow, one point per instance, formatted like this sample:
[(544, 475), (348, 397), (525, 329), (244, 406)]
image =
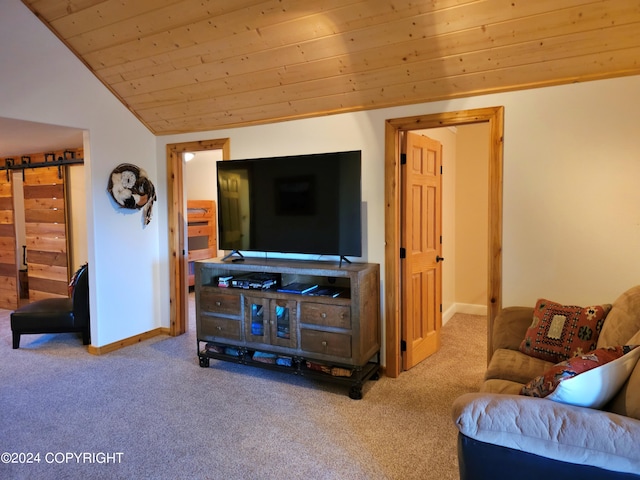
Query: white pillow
[(595, 387)]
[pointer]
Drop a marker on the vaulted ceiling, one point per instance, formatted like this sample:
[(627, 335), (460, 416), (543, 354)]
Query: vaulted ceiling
[(195, 65)]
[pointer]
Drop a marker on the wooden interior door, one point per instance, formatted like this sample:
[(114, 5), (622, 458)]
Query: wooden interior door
[(8, 257), (46, 232), (421, 227), (230, 198)]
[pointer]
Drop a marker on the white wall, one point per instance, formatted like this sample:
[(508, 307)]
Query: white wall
[(200, 176), (571, 202), (472, 214), (42, 81)]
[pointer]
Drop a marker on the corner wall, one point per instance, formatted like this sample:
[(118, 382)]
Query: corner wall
[(44, 82), (571, 210)]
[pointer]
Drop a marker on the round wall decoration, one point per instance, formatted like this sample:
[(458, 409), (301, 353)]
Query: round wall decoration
[(131, 188)]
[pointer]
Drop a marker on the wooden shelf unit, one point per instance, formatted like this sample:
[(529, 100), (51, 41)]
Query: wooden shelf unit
[(331, 338), (201, 233)]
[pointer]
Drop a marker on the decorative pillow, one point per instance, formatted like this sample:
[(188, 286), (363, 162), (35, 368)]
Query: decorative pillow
[(589, 380), (559, 332)]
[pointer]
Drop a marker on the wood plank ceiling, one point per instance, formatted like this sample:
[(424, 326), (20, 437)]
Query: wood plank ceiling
[(194, 65)]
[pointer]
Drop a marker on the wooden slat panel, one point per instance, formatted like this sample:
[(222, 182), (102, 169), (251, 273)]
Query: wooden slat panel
[(570, 70), (33, 192), (48, 229), (55, 10), (49, 272), (8, 256), (7, 229), (6, 203), (45, 178), (8, 285), (6, 217), (44, 203), (94, 15), (52, 288), (9, 271), (46, 236), (49, 244), (47, 258), (219, 99), (36, 295), (44, 216), (200, 230), (377, 47), (201, 254), (188, 65), (201, 222), (201, 29)]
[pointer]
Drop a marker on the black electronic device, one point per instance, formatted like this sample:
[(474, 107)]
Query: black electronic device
[(307, 204), (258, 281)]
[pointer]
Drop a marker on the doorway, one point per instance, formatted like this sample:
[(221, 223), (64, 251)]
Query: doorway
[(394, 129), (177, 221)]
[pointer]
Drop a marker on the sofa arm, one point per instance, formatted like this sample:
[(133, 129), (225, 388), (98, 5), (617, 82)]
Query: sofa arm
[(510, 326), (550, 429)]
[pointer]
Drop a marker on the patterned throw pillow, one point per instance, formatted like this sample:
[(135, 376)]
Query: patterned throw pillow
[(559, 332), (589, 380)]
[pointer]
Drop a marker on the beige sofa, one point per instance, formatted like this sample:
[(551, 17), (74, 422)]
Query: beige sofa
[(501, 430)]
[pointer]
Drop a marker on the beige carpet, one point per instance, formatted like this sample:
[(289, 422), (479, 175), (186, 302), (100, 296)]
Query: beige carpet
[(171, 419)]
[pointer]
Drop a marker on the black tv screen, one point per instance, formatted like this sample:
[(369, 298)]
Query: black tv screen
[(295, 204)]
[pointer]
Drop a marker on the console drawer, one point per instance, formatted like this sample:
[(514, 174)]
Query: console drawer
[(220, 327), (326, 343), (325, 314), (216, 302)]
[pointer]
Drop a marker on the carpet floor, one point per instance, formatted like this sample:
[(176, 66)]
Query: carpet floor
[(150, 412)]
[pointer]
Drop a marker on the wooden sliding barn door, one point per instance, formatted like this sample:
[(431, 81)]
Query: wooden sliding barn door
[(8, 257), (46, 232)]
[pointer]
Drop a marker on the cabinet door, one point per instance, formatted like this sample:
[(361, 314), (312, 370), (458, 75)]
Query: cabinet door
[(256, 319), (283, 322)]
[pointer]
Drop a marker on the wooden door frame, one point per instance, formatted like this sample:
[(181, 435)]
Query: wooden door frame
[(178, 265), (392, 297)]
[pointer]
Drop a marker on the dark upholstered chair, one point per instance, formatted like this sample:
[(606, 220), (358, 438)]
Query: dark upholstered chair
[(56, 315)]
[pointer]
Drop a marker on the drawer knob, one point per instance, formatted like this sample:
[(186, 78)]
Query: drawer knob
[(218, 303), (324, 343), (323, 315), (219, 328)]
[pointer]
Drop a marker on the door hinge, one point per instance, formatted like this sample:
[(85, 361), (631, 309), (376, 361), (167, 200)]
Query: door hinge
[(403, 252), (403, 345), (440, 169), (440, 239), (440, 308), (403, 159)]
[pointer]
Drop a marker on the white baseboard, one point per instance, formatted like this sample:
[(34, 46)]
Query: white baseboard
[(467, 308)]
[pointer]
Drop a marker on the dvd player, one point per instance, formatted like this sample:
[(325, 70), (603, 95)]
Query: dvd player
[(258, 281)]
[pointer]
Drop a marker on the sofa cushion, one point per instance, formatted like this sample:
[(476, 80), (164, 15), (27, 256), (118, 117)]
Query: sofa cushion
[(623, 321), (510, 327), (515, 366), (559, 332), (627, 400), (589, 380), (551, 429), (495, 385)]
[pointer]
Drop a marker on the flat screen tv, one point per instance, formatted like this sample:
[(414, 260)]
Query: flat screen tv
[(303, 204)]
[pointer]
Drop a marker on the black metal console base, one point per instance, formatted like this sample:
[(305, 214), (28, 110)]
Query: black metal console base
[(355, 382)]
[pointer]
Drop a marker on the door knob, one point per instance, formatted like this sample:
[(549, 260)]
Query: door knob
[(439, 258)]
